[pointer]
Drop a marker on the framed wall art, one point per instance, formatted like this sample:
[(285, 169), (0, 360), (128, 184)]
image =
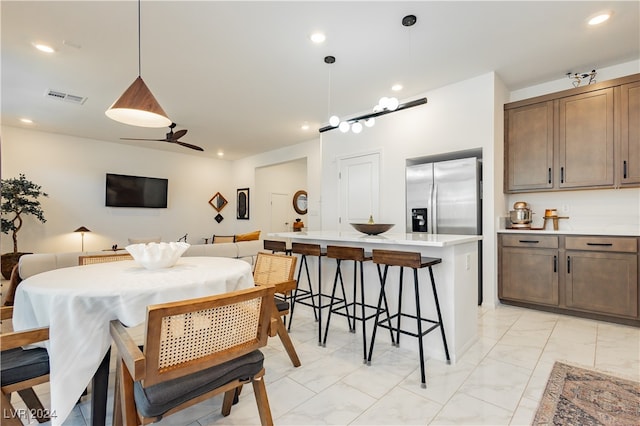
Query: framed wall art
[(218, 202), (243, 204)]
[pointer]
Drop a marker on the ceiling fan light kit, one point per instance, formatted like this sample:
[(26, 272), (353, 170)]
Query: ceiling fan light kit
[(138, 107)]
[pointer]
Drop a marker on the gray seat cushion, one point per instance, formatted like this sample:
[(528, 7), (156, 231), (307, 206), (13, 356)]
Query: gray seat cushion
[(156, 400), (19, 364), (282, 305)]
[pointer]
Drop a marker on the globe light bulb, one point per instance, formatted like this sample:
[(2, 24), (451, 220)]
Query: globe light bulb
[(392, 104), (334, 120), (377, 108), (384, 102), (370, 122), (356, 127), (344, 127)]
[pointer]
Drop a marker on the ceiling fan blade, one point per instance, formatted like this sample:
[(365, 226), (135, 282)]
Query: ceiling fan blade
[(136, 139), (188, 145), (177, 135)]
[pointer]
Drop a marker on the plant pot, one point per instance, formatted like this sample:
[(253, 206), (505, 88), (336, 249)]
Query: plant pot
[(9, 260)]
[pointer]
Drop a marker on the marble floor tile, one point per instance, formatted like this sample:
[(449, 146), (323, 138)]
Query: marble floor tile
[(463, 409)]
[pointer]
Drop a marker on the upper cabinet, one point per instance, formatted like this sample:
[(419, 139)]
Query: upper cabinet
[(629, 173), (582, 138)]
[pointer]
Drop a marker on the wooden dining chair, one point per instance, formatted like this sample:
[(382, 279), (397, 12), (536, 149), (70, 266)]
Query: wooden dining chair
[(103, 258), (194, 349), (21, 370), (278, 270)]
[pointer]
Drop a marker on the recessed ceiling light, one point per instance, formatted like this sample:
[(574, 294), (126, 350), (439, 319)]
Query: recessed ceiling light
[(44, 48), (220, 154), (599, 18), (305, 126), (318, 37), (26, 120), (396, 87)]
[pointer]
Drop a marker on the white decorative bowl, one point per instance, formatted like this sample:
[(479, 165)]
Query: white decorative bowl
[(157, 255)]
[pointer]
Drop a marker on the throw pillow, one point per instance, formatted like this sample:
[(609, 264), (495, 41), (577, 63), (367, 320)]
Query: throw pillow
[(250, 236), (145, 240)]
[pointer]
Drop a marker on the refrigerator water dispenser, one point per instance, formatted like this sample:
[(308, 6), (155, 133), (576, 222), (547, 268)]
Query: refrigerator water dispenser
[(419, 220)]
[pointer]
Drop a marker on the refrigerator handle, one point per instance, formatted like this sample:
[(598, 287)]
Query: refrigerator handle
[(434, 209), (430, 210)]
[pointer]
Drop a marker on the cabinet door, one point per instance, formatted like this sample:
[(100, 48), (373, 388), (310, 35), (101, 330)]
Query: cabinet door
[(529, 147), (602, 282), (585, 129), (529, 275), (630, 134)]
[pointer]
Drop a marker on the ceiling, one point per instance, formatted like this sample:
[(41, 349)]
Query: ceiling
[(243, 77)]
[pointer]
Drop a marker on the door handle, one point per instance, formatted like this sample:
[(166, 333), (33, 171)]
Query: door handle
[(568, 264), (434, 207), (555, 263), (624, 169), (549, 173), (561, 174)]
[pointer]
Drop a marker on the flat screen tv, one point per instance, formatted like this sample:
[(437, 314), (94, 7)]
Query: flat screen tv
[(135, 191)]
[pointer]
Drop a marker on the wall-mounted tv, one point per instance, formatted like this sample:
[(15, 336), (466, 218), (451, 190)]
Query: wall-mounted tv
[(135, 191)]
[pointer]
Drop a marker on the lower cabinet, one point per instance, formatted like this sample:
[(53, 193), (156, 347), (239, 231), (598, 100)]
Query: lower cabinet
[(583, 275)]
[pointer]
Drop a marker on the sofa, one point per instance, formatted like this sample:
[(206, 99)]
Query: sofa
[(31, 264)]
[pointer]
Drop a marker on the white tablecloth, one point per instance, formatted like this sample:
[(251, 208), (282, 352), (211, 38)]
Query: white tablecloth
[(77, 304)]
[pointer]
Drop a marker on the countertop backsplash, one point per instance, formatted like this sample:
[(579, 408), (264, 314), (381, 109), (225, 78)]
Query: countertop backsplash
[(615, 211)]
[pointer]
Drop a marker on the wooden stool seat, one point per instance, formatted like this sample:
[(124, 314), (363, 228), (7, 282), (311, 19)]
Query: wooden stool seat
[(276, 246), (414, 261)]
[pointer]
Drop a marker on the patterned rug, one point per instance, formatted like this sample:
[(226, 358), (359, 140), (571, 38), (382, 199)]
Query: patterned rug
[(575, 396)]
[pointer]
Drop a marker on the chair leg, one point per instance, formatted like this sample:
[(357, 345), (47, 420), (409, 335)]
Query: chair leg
[(32, 401), (127, 400), (229, 397), (286, 341), (260, 392), (9, 417), (117, 402)]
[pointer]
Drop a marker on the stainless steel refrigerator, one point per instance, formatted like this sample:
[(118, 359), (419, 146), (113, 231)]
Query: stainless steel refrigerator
[(445, 197)]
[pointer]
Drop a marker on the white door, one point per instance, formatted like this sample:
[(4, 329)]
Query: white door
[(359, 189), (281, 209)]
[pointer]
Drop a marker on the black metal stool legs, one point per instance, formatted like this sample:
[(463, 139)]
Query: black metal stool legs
[(435, 297)]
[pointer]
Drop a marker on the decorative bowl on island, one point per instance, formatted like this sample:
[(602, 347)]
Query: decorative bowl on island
[(372, 228), (157, 255)]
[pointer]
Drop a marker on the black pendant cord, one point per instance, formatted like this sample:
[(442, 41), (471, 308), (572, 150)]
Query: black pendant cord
[(139, 54)]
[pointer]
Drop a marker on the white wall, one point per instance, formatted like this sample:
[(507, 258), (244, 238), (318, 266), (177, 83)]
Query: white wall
[(72, 171), (284, 178)]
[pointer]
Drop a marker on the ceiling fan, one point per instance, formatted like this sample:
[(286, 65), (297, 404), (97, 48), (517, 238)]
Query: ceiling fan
[(171, 138)]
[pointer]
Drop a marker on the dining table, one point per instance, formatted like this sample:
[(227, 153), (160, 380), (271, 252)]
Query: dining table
[(77, 303)]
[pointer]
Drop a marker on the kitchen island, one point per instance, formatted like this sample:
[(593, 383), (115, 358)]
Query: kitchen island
[(456, 281)]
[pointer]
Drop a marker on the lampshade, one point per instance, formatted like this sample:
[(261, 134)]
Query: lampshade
[(82, 229), (138, 107)]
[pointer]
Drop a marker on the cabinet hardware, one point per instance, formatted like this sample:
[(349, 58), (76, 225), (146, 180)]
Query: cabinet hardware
[(549, 174), (528, 241), (561, 174), (555, 263), (624, 169), (568, 264), (600, 244)]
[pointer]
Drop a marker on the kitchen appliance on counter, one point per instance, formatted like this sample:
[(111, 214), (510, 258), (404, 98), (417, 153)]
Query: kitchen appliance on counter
[(445, 197), (521, 216)]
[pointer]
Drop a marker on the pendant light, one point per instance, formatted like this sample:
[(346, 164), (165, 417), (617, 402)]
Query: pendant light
[(137, 106)]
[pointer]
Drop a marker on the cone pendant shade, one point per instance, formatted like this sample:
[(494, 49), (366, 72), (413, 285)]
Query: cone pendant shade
[(138, 107)]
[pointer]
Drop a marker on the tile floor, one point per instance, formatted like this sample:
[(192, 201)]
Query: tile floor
[(498, 381)]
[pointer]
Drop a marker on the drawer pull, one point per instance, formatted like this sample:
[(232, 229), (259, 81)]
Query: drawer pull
[(600, 244), (528, 241)]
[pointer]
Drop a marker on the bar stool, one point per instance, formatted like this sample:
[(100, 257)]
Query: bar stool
[(415, 261), (358, 256), (276, 246), (302, 296)]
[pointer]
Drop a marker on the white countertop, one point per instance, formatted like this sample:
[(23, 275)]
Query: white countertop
[(425, 240), (607, 232)]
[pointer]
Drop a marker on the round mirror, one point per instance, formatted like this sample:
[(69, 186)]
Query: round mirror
[(300, 202)]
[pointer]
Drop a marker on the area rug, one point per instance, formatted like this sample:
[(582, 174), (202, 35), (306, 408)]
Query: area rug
[(577, 396)]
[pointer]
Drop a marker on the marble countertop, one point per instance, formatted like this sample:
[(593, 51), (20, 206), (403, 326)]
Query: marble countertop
[(605, 232), (425, 240)]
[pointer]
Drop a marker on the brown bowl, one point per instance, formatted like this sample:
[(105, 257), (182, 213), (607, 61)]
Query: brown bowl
[(372, 228)]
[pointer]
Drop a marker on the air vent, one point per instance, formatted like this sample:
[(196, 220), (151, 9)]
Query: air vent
[(61, 96)]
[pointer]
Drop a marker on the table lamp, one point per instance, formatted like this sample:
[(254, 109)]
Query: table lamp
[(82, 230)]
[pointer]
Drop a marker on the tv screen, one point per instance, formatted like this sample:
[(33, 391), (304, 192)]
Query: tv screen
[(135, 191)]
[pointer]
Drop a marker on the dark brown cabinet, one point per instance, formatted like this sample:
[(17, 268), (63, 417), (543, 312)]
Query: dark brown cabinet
[(582, 138), (591, 276), (629, 167), (529, 269)]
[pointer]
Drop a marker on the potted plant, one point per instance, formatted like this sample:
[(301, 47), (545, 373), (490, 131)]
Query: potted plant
[(19, 198)]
